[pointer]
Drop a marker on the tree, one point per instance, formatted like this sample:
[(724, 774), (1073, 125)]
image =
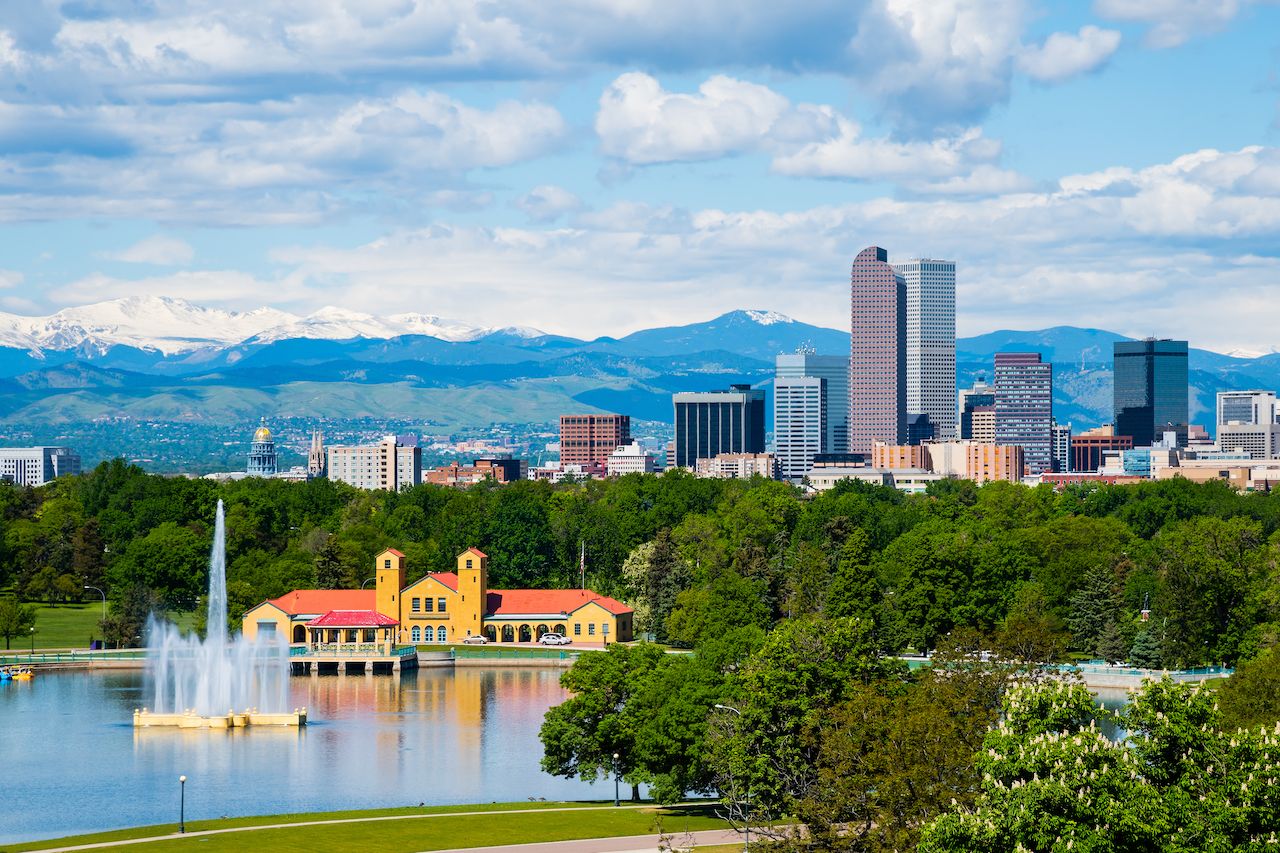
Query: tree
[(655, 576), (1094, 606), (129, 614), (16, 620), (1251, 696), (1052, 780), (171, 561), (1112, 645), (1031, 635), (855, 590), (1145, 652), (581, 735)]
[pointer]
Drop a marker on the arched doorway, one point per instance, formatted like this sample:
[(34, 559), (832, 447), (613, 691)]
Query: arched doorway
[(541, 629), (508, 634), (490, 633), (299, 633), (560, 630), (526, 636)]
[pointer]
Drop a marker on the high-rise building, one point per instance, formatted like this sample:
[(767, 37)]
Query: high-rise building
[(834, 370), (385, 465), (1259, 441), (589, 439), (1090, 447), (262, 453), (931, 341), (877, 352), (1024, 407), (980, 396), (1150, 389), (35, 466), (799, 422), (920, 429), (709, 423), (1246, 407), (1061, 444)]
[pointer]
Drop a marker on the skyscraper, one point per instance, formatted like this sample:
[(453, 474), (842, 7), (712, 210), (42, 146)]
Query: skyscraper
[(712, 422), (834, 371), (1246, 407), (590, 439), (799, 422), (1024, 407), (877, 352), (931, 341), (981, 397), (1150, 389)]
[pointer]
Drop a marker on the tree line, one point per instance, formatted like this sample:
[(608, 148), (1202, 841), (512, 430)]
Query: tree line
[(698, 557)]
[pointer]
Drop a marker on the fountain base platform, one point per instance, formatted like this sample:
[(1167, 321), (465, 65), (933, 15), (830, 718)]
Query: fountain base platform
[(144, 718)]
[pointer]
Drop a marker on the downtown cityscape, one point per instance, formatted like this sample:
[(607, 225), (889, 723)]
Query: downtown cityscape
[(637, 427)]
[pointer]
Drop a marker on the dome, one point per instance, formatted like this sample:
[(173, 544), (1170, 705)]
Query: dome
[(262, 434)]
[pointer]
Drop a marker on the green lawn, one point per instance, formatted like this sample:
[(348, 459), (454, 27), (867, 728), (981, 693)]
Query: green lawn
[(71, 626), (369, 834)]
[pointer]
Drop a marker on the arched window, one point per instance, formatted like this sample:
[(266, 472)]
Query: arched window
[(416, 634), (526, 636), (442, 636), (560, 630), (508, 634), (542, 629), (299, 634)]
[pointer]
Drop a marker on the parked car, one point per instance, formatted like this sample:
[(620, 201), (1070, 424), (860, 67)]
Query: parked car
[(553, 639), (475, 640)]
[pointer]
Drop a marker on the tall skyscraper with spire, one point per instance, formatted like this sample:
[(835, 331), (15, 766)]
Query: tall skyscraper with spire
[(931, 341), (877, 352)]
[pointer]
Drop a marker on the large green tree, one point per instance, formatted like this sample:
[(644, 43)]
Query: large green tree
[(16, 619)]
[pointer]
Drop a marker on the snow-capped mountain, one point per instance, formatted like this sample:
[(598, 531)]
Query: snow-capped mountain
[(170, 326)]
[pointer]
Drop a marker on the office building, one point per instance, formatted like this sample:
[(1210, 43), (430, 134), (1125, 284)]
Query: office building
[(1061, 447), (1024, 407), (1089, 447), (980, 398), (630, 459), (877, 352), (386, 465), (589, 439), (893, 456), (262, 454), (35, 466), (739, 466), (920, 429), (1258, 441), (1246, 407), (931, 341), (501, 469), (1150, 389), (834, 371), (709, 423), (799, 424)]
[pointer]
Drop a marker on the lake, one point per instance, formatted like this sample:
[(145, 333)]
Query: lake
[(73, 763)]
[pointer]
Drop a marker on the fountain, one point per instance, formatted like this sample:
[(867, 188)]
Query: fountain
[(199, 683)]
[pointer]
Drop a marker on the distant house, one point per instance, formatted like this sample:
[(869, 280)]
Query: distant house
[(446, 607)]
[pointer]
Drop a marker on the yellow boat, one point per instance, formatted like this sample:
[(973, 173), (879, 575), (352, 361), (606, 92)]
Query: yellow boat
[(24, 675)]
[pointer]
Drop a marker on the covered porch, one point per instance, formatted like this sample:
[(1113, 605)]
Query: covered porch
[(357, 633)]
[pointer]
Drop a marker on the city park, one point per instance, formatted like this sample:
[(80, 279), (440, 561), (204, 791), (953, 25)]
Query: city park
[(730, 724)]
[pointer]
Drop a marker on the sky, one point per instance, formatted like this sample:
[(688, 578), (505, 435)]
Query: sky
[(591, 167)]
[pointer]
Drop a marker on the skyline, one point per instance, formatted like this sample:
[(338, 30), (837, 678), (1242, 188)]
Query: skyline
[(427, 158)]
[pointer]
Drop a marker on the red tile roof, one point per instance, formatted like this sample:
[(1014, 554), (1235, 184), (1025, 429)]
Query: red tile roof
[(323, 600), (515, 602), (353, 619), (393, 551), (449, 579), (477, 552)]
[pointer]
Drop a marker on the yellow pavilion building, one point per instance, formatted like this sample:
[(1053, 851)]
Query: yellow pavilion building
[(442, 607)]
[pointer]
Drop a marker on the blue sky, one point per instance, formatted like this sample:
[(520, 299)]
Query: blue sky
[(597, 166)]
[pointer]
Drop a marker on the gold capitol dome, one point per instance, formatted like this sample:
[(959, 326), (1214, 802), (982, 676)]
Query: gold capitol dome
[(262, 433)]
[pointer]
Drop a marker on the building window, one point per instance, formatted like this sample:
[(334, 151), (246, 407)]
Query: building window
[(604, 628), (428, 602), (416, 634), (442, 636), (440, 605), (591, 629), (468, 562), (417, 605), (577, 630), (386, 564)]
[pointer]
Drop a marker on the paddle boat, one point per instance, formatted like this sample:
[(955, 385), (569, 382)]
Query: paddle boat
[(23, 674)]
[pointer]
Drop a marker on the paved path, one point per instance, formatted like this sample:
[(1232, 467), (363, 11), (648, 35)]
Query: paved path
[(622, 844), (102, 845)]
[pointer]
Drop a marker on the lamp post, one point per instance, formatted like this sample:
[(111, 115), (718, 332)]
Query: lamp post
[(104, 599), (33, 639), (616, 803), (746, 829), (366, 583), (182, 804)]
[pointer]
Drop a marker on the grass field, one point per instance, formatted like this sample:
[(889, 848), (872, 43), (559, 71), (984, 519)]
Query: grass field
[(71, 626), (399, 830)]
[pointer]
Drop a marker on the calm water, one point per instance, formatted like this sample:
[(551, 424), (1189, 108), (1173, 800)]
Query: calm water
[(73, 762)]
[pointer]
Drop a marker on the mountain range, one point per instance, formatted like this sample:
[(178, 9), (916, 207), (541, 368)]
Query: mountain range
[(163, 359)]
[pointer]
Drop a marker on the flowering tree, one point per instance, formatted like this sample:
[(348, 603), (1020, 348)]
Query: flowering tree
[(1055, 780)]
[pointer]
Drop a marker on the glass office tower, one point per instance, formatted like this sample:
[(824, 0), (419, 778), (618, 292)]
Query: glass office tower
[(1150, 390)]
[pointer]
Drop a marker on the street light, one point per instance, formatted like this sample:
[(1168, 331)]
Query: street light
[(366, 583), (746, 829), (33, 639), (104, 599), (615, 780), (182, 804)]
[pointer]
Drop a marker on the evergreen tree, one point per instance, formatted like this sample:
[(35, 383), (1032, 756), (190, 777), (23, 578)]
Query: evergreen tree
[(1095, 605), (1112, 645), (1145, 652)]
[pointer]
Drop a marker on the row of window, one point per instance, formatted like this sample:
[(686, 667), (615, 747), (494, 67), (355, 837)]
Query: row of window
[(426, 605), (423, 635)]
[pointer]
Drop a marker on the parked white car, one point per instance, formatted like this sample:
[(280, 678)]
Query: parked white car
[(475, 640), (553, 639)]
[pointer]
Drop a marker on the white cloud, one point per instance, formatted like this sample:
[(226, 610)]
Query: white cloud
[(10, 278), (548, 203), (157, 249), (1064, 55), (1172, 21)]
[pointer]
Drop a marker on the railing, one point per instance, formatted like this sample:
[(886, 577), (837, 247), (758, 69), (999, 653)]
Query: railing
[(16, 658), (352, 650), (514, 654)]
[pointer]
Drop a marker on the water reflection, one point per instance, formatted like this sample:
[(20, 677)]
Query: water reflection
[(436, 736)]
